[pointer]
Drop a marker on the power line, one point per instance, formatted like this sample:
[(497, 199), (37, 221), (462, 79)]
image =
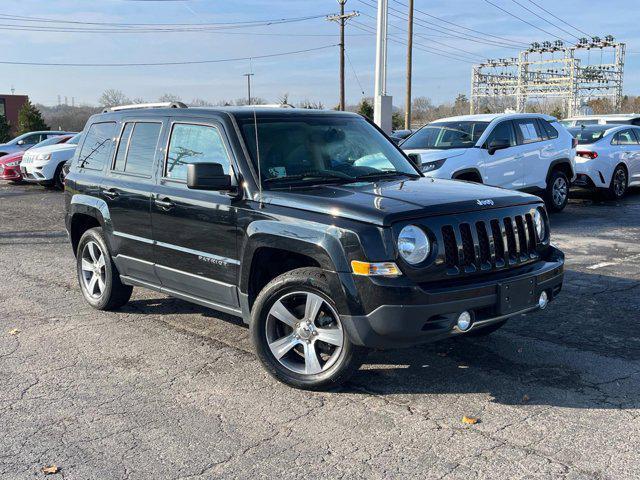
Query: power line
[(558, 18), (154, 64), (525, 21), (544, 19), (515, 42), (452, 33)]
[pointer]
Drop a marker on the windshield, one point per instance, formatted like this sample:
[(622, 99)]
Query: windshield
[(446, 135), (312, 149), (587, 135), (50, 141)]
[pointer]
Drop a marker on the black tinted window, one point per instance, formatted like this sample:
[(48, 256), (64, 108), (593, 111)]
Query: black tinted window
[(549, 130), (142, 148), (96, 149), (123, 143), (194, 144), (502, 132), (625, 137)]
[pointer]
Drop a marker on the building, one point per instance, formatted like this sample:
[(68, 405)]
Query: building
[(10, 105)]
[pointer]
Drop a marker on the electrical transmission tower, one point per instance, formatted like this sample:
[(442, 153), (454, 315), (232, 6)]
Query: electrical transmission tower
[(572, 75)]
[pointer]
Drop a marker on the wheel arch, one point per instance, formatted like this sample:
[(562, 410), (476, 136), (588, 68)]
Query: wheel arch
[(562, 164), (86, 212)]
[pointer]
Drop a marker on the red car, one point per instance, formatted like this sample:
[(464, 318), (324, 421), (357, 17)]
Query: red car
[(10, 164)]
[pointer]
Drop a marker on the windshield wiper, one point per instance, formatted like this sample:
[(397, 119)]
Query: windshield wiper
[(312, 175), (380, 175)]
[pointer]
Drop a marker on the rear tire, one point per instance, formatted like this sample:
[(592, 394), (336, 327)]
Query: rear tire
[(557, 191), (298, 335), (98, 276), (618, 186), (488, 330)]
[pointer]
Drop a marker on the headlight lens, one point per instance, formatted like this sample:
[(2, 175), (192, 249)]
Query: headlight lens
[(43, 156), (15, 163), (431, 166), (413, 244), (538, 222)]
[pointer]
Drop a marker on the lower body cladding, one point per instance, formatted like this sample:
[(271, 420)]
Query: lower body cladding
[(454, 310)]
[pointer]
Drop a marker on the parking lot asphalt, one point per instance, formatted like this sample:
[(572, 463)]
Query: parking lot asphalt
[(165, 389)]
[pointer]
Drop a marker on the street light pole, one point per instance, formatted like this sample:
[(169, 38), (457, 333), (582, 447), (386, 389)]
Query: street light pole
[(248, 75), (382, 105)]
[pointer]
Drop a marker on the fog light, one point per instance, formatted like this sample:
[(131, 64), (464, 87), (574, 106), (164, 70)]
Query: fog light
[(543, 301), (464, 321)]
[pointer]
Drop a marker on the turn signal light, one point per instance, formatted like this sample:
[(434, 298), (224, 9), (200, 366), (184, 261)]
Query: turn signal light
[(586, 154), (383, 269)]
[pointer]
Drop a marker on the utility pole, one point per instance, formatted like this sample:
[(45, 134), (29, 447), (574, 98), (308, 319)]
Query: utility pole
[(383, 103), (342, 19), (407, 107), (248, 75)]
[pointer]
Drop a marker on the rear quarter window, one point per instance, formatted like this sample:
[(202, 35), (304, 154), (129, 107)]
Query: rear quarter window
[(97, 146)]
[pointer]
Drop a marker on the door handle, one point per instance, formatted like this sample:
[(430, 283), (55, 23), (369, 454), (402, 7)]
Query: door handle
[(110, 193), (165, 203)]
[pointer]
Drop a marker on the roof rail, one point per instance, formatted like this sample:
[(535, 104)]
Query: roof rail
[(268, 105), (135, 106)]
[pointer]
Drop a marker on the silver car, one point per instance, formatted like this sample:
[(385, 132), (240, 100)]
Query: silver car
[(28, 140)]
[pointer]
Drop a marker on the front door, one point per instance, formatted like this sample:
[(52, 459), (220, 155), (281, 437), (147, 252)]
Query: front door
[(195, 230), (127, 190), (503, 167)]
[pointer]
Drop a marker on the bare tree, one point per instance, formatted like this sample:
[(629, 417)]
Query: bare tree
[(112, 97), (200, 102), (170, 97)]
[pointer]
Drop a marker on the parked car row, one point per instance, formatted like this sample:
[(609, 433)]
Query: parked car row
[(40, 162), (530, 152)]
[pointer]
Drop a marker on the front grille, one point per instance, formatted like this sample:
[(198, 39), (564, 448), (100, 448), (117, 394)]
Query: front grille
[(489, 244)]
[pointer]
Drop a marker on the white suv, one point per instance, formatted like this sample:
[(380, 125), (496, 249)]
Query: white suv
[(44, 165), (528, 152)]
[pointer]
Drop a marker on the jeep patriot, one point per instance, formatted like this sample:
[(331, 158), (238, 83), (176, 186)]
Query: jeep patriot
[(312, 226)]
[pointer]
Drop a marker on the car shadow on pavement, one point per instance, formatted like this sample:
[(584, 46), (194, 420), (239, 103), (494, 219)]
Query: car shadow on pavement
[(580, 352)]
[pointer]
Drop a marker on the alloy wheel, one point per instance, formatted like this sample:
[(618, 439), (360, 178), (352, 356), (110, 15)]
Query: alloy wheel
[(304, 333), (620, 182), (560, 191), (93, 269)]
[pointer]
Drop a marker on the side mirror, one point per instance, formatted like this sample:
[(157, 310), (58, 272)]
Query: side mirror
[(21, 142), (498, 144), (416, 160), (207, 176)]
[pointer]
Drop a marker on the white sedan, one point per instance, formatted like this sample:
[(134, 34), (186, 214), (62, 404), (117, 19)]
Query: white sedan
[(607, 158), (44, 165)]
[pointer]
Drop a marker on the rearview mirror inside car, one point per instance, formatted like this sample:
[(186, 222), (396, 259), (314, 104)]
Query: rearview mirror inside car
[(498, 144), (207, 176)]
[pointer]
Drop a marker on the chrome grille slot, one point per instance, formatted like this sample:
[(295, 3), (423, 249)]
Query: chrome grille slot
[(489, 244)]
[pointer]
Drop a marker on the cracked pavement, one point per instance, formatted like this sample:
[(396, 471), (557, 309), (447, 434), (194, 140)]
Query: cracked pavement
[(168, 390)]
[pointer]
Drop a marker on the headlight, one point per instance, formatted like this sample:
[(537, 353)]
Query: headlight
[(538, 223), (43, 156), (15, 163), (413, 244), (431, 166)]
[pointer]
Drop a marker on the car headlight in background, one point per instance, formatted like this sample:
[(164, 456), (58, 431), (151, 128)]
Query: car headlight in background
[(413, 244), (43, 156), (538, 223), (431, 166), (15, 163)]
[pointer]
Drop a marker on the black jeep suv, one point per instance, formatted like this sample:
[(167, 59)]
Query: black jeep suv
[(310, 225)]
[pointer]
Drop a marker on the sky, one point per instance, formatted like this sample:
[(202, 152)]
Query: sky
[(442, 62)]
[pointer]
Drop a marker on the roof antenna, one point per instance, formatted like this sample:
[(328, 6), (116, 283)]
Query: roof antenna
[(255, 127)]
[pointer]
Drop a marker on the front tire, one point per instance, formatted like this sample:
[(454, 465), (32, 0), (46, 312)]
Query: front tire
[(97, 274), (58, 178), (557, 192), (298, 335)]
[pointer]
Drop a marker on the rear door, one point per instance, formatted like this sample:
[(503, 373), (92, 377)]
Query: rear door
[(195, 230), (127, 190), (634, 160), (502, 168), (532, 146)]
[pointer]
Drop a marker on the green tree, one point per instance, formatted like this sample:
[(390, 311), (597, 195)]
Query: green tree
[(397, 120), (365, 108), (5, 129), (557, 112), (30, 119)]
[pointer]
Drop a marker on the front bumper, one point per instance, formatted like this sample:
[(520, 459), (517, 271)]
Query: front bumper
[(434, 316), (38, 171), (10, 173)]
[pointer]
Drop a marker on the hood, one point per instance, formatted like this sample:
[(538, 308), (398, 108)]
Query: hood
[(58, 147), (430, 155), (386, 202), (11, 157)]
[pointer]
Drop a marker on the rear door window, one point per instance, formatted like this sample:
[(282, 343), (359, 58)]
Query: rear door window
[(97, 145), (625, 137), (528, 131), (141, 149)]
